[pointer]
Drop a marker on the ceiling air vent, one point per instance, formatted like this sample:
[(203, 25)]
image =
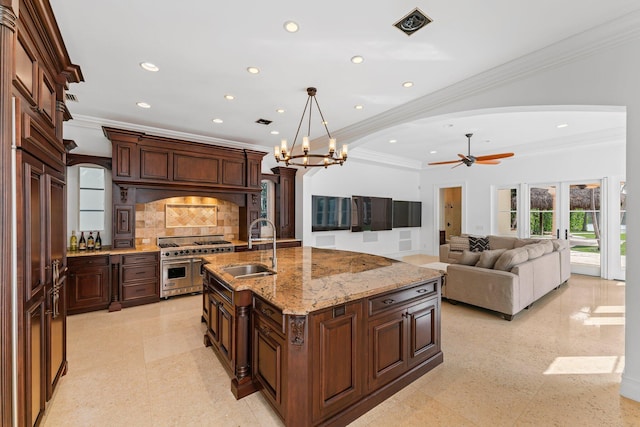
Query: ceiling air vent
[(412, 22), (264, 122), (70, 97)]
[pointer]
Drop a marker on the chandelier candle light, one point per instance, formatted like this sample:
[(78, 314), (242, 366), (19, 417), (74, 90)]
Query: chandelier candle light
[(283, 154)]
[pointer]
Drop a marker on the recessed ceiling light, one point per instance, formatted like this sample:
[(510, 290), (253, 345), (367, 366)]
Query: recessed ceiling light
[(143, 104), (449, 125), (562, 125), (253, 70), (229, 97), (280, 110), (407, 84), (291, 26), (274, 132), (433, 152), (358, 107), (393, 141), (149, 66), (357, 59), (487, 140), (217, 121)]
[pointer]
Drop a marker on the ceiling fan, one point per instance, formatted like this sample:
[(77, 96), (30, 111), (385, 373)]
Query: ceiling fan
[(468, 160)]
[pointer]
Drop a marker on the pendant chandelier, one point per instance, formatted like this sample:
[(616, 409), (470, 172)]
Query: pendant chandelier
[(304, 157)]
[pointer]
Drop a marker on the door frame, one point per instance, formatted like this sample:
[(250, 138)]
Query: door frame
[(438, 209)]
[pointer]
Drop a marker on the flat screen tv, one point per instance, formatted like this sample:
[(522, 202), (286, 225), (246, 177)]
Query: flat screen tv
[(407, 214), (330, 213), (371, 213)]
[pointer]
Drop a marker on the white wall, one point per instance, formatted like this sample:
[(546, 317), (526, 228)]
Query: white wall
[(588, 163), (361, 179)]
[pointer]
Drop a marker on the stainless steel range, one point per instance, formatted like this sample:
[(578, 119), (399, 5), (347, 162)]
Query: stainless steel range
[(181, 261)]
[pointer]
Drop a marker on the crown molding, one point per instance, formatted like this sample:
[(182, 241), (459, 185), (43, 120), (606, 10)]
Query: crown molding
[(603, 37), (96, 123)]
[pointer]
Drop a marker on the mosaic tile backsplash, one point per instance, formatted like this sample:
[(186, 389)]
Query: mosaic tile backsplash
[(197, 219)]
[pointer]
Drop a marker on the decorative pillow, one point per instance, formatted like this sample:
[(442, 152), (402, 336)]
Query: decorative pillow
[(535, 251), (559, 244), (511, 258), (478, 244), (548, 246), (524, 242), (469, 258), (489, 257), (457, 243), (501, 242)]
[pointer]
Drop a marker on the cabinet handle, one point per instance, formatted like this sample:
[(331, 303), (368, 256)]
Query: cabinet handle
[(421, 291), (266, 331), (388, 301), (266, 311)]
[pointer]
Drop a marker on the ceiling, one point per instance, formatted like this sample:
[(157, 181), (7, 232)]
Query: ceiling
[(203, 50)]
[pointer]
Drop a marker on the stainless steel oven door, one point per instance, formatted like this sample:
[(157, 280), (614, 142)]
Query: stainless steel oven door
[(176, 275)]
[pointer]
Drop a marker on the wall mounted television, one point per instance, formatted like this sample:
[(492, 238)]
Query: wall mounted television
[(407, 214), (330, 213), (371, 213)]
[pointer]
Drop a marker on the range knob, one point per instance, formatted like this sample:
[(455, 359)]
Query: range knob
[(175, 253)]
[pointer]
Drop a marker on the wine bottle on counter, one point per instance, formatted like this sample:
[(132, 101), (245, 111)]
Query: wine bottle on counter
[(74, 241), (98, 245), (91, 243), (82, 244)]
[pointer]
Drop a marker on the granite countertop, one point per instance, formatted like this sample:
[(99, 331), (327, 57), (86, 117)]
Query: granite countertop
[(109, 251), (311, 279)]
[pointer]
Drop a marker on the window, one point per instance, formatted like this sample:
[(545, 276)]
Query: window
[(507, 211), (91, 199)]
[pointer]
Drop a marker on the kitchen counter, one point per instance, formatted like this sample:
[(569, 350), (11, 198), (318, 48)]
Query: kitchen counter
[(310, 279), (108, 251)]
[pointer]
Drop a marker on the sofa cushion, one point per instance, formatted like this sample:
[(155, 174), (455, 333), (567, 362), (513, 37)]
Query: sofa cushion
[(524, 242), (548, 246), (535, 250), (489, 257), (469, 258), (501, 242), (478, 244), (458, 243), (559, 244), (510, 258)]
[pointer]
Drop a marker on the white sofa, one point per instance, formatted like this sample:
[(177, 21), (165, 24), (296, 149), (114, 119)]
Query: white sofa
[(523, 271)]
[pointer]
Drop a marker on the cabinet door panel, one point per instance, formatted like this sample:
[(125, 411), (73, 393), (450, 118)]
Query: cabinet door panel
[(88, 288), (267, 360), (337, 356), (423, 332), (233, 172), (214, 317), (226, 332), (195, 169), (35, 363), (387, 343), (154, 164)]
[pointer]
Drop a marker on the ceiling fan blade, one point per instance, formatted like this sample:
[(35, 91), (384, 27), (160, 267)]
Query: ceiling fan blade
[(459, 164), (494, 156), (488, 162), (462, 156), (445, 163)]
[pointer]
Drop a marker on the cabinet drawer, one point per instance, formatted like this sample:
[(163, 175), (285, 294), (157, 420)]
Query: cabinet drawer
[(139, 273), (270, 312), (85, 261), (142, 290), (150, 257), (402, 296)]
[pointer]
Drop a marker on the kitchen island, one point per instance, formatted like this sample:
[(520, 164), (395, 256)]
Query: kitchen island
[(328, 337)]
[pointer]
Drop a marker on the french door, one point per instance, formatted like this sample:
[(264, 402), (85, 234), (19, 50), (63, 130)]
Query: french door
[(573, 211)]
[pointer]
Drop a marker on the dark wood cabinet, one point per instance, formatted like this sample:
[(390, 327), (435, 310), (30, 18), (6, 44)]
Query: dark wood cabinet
[(139, 278), (124, 217), (268, 352), (338, 358), (403, 331), (285, 202), (89, 283)]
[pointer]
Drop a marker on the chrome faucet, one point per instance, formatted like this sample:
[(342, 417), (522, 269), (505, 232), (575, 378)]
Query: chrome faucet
[(274, 261)]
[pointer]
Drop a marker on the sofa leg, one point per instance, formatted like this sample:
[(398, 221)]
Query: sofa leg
[(528, 307), (508, 317)]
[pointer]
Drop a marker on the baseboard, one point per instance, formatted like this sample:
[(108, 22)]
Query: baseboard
[(630, 388)]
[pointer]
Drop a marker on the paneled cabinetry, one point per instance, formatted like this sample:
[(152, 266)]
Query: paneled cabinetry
[(139, 278), (89, 284)]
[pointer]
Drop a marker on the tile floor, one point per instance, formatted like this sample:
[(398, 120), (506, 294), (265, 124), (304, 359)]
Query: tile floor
[(556, 364)]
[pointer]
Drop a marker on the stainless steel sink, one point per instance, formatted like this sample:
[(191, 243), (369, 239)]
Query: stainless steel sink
[(248, 270)]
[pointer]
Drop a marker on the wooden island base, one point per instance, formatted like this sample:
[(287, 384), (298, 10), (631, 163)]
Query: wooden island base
[(331, 365)]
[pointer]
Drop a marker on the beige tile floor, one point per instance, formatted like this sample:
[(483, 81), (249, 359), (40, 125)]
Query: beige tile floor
[(556, 364)]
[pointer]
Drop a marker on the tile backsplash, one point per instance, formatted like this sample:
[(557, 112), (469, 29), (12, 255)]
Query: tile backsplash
[(151, 218)]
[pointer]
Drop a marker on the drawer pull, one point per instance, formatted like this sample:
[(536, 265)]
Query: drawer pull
[(265, 331), (388, 301), (139, 272), (141, 290), (422, 291), (266, 311)]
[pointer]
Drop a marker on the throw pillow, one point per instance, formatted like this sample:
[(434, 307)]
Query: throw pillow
[(478, 244), (535, 251), (469, 258), (489, 257), (511, 258), (457, 243)]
